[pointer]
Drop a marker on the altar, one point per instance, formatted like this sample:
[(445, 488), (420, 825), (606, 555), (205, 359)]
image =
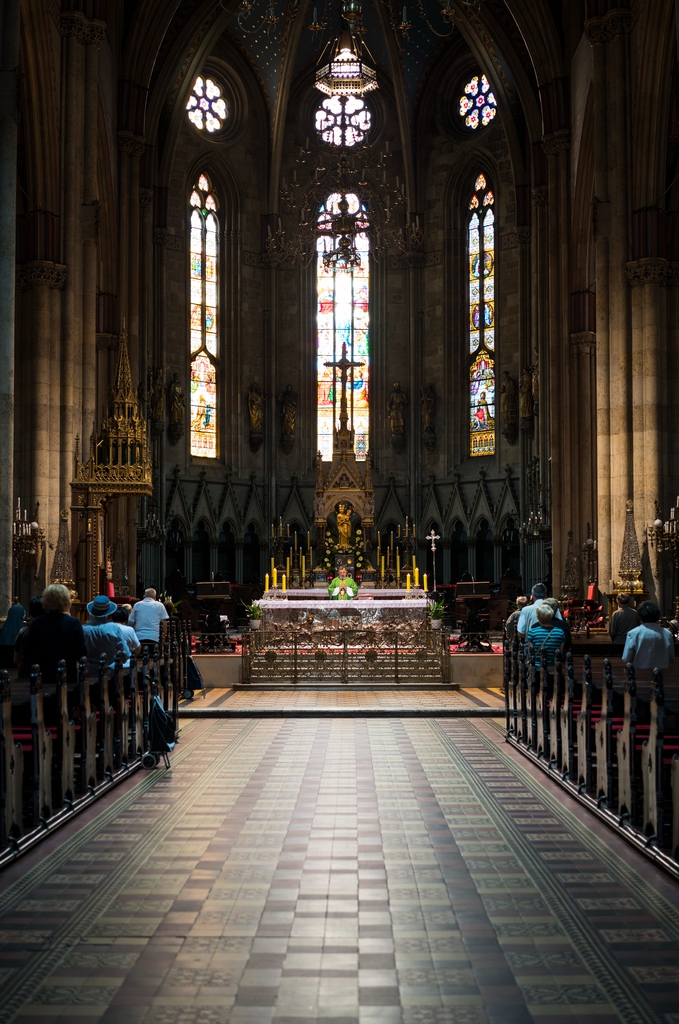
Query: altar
[(390, 609)]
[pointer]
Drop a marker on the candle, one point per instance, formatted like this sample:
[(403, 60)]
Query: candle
[(272, 532), (408, 582), (287, 566), (399, 531), (272, 572), (413, 529), (275, 577), (303, 566), (379, 541), (398, 562), (295, 540), (308, 541), (266, 582), (414, 563), (382, 566), (280, 526), (417, 577), (283, 586), (288, 529), (392, 540), (426, 588)]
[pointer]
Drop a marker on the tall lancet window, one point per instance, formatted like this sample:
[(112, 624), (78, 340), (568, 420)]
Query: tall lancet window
[(204, 277), (343, 316), (481, 301)]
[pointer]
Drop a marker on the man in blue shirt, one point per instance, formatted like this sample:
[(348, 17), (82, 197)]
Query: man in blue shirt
[(529, 615), (105, 637)]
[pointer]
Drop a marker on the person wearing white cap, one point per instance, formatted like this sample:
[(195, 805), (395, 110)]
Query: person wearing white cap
[(105, 637)]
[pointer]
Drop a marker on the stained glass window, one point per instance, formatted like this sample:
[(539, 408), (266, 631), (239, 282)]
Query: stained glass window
[(481, 305), (478, 105), (343, 120), (342, 318), (203, 304), (206, 106)]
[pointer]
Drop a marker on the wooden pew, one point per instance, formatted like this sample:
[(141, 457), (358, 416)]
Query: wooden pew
[(569, 710), (675, 807), (41, 802), (555, 707), (87, 747), (651, 763), (603, 742), (583, 729), (12, 770), (105, 724), (65, 748), (625, 750)]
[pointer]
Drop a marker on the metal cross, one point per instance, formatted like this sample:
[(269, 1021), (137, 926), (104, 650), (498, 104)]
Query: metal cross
[(343, 365), (433, 537)]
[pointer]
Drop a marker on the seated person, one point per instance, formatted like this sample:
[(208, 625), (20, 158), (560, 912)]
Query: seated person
[(134, 647), (547, 637), (105, 637), (649, 645), (622, 620), (342, 588)]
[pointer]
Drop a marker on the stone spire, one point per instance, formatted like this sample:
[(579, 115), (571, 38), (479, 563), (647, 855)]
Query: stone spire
[(62, 566)]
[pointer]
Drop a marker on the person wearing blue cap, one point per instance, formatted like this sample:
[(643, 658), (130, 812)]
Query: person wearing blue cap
[(105, 637)]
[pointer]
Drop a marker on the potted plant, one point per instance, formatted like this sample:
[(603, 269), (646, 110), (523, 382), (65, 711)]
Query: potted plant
[(254, 612), (437, 609)]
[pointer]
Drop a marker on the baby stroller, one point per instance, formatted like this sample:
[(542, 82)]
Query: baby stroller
[(161, 735)]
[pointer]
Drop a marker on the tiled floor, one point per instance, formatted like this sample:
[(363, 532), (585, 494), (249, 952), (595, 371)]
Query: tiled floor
[(292, 701), (342, 870)]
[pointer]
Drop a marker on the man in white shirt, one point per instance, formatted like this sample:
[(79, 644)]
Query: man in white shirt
[(146, 618), (649, 645)]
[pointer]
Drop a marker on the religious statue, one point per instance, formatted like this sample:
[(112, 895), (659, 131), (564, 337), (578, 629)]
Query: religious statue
[(526, 401), (396, 404), (177, 403), (156, 397), (343, 526), (288, 399), (342, 588), (428, 411), (256, 413), (509, 408)]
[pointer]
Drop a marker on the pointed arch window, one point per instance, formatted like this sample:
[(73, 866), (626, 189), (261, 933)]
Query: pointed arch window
[(204, 301), (481, 307), (343, 317)]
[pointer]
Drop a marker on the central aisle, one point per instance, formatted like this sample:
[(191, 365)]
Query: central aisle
[(394, 871)]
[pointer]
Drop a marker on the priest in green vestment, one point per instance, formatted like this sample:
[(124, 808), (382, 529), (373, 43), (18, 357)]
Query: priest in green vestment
[(343, 588)]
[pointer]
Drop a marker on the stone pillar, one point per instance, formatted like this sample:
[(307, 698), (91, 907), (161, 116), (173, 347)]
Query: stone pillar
[(9, 64), (93, 36), (597, 35), (583, 352), (415, 262), (239, 560), (615, 28), (73, 27), (40, 279)]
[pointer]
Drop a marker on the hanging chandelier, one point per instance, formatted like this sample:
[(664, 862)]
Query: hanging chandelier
[(346, 73)]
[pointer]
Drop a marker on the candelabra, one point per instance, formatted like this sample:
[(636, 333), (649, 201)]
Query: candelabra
[(28, 538), (590, 557)]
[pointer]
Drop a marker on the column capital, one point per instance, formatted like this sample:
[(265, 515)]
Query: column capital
[(145, 197), (649, 271), (167, 240), (132, 145), (86, 31), (616, 22), (540, 195), (583, 342), (557, 142), (94, 34), (41, 272)]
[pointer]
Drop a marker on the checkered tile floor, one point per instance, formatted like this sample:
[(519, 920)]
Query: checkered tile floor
[(391, 871)]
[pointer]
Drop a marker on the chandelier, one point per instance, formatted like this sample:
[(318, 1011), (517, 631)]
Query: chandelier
[(348, 190)]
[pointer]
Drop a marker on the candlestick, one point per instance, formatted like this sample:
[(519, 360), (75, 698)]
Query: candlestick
[(408, 582), (274, 575), (425, 585), (266, 582), (283, 583)]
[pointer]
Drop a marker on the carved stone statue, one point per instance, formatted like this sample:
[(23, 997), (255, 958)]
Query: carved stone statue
[(288, 400), (398, 400), (526, 401), (428, 412), (156, 397), (177, 403), (343, 526), (256, 414), (509, 408)]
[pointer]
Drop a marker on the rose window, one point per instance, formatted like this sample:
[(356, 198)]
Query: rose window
[(206, 105)]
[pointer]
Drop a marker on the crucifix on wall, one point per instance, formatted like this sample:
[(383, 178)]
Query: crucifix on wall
[(343, 435)]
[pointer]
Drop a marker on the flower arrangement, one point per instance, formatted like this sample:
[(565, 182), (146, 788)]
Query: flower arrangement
[(253, 611), (437, 609)]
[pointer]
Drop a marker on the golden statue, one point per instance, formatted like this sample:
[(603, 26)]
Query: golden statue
[(343, 526)]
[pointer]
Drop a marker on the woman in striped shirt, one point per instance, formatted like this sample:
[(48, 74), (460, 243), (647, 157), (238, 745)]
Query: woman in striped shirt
[(546, 636)]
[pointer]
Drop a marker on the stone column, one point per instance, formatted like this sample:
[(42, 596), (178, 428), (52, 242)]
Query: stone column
[(93, 36), (415, 262), (597, 35), (9, 64), (73, 27), (39, 279), (583, 348), (616, 26)]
